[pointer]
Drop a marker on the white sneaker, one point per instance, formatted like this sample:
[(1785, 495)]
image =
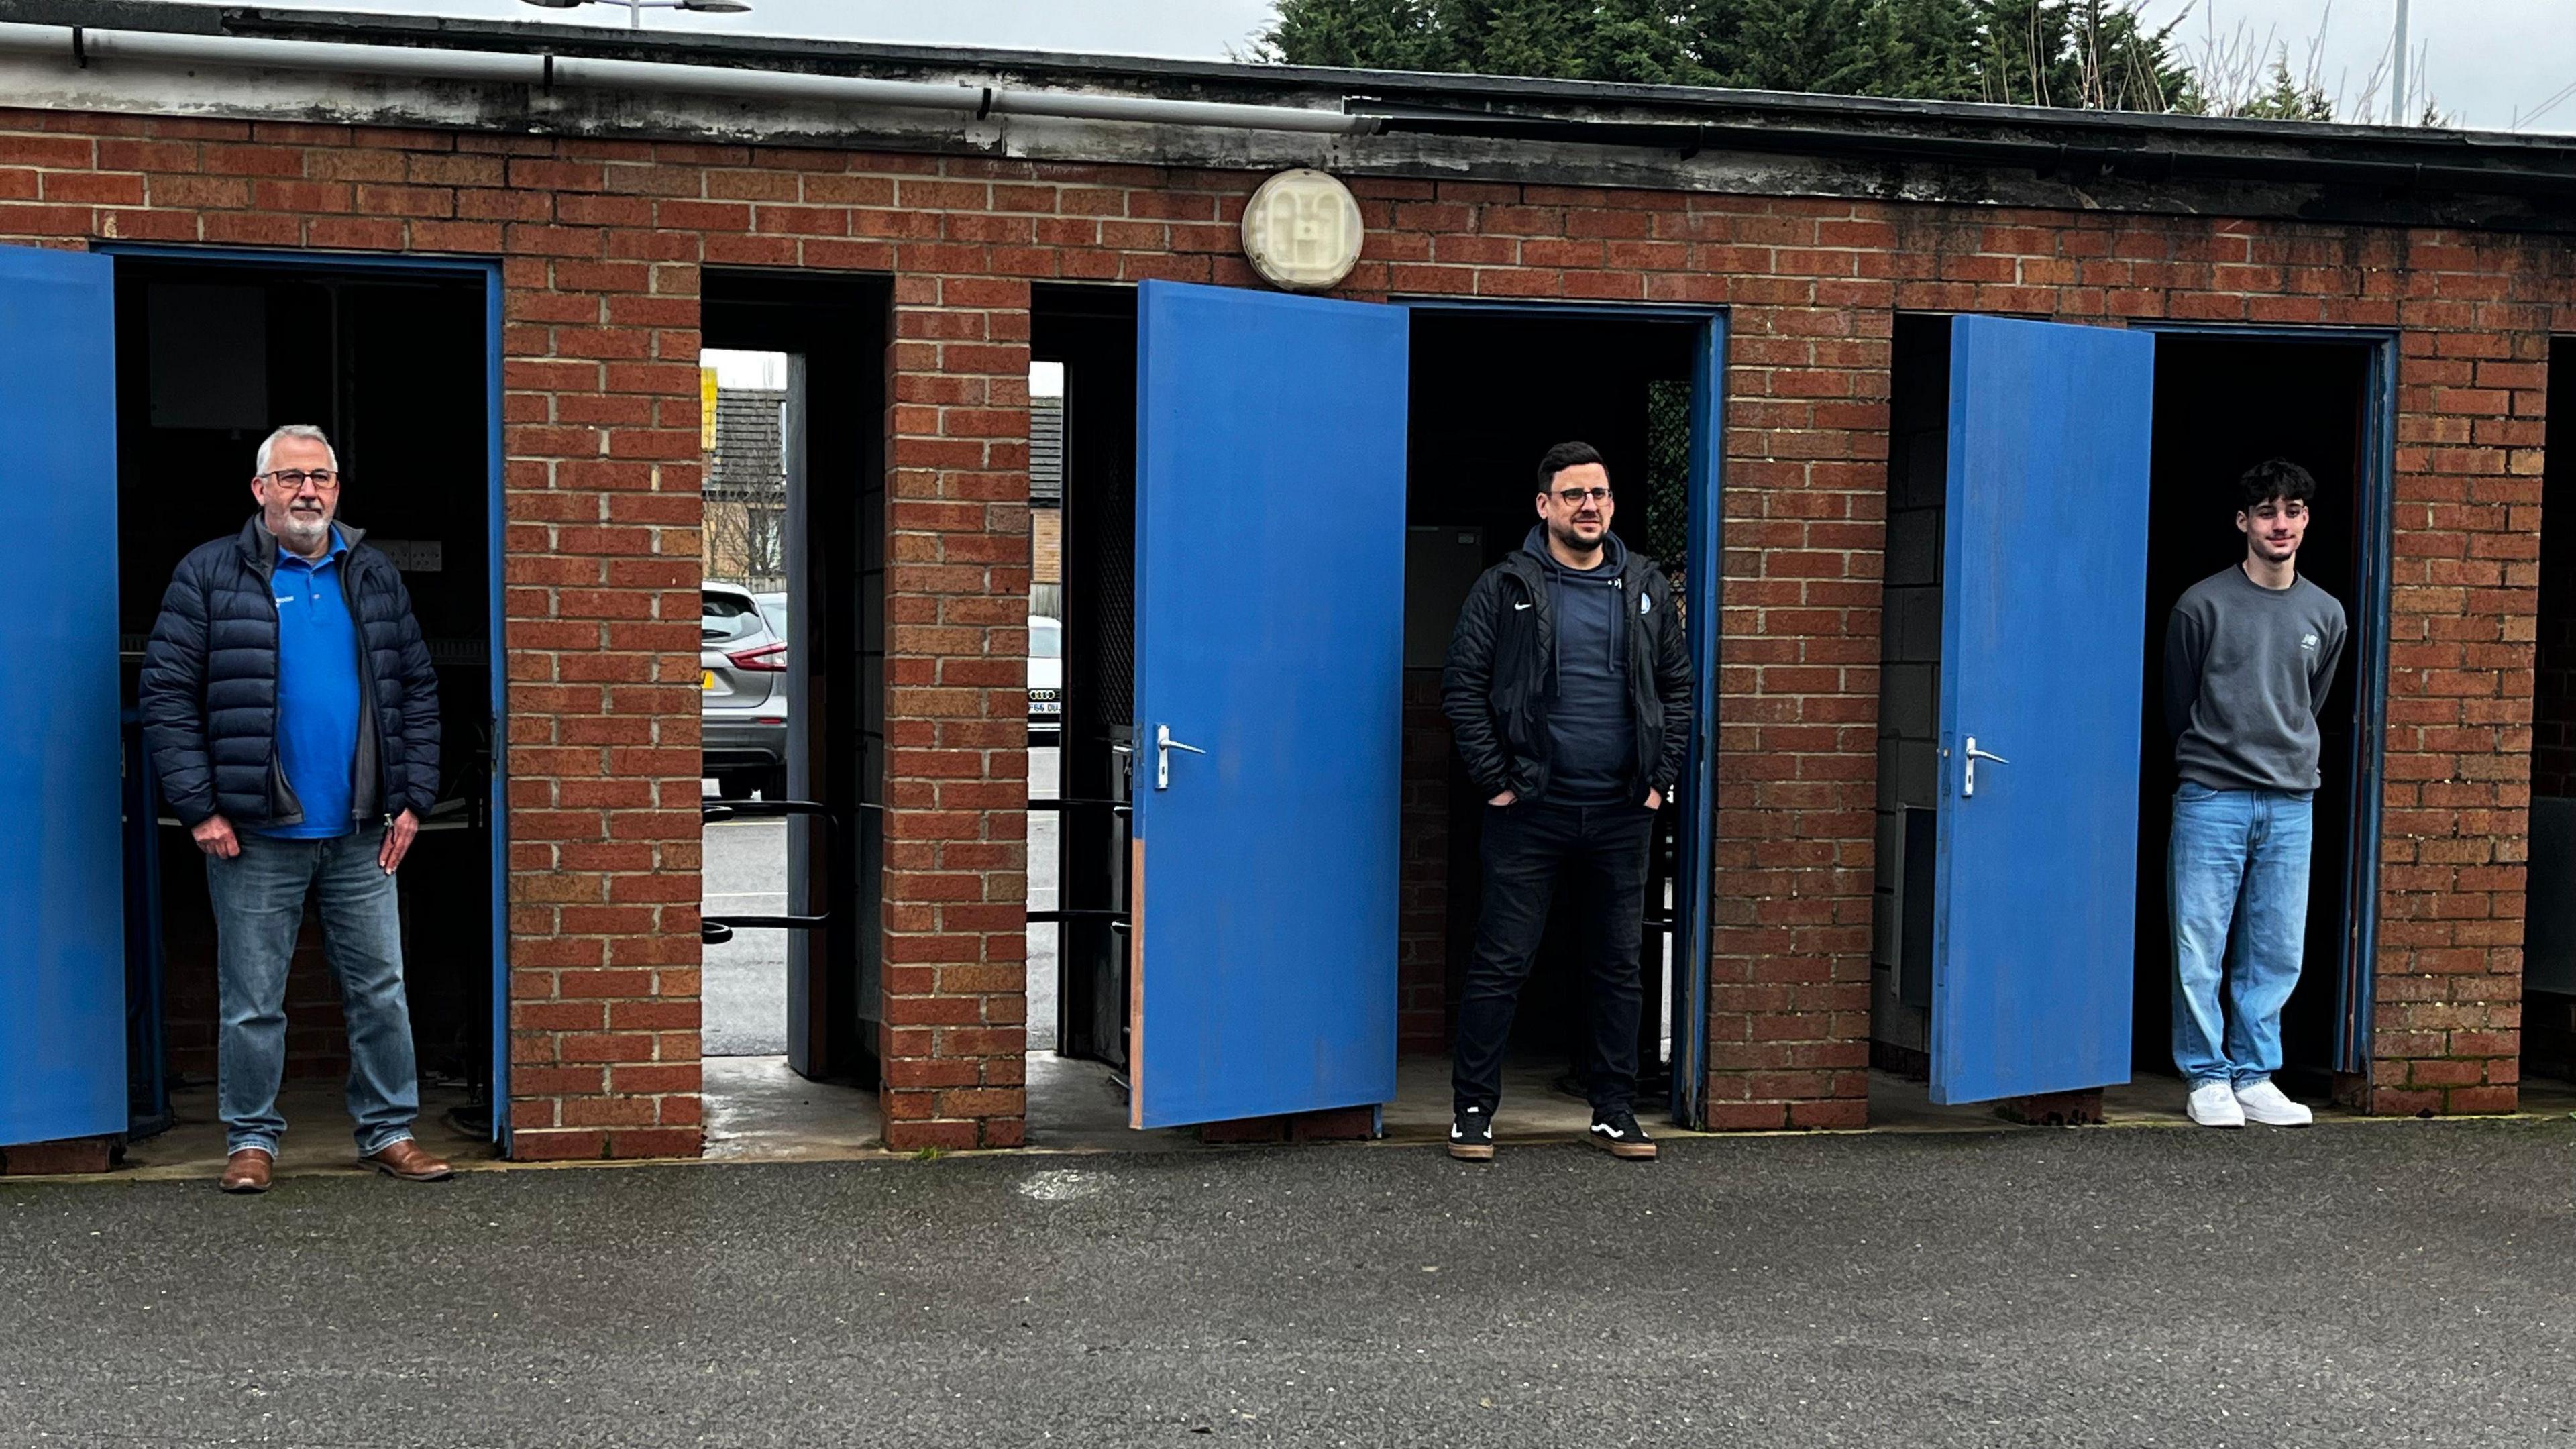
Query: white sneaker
[(2213, 1104), (2264, 1103)]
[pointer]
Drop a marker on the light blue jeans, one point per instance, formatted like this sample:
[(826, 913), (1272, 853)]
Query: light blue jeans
[(259, 908), (2238, 856)]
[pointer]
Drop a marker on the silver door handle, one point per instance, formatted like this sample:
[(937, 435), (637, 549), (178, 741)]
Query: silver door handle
[(1968, 784), (1164, 744)]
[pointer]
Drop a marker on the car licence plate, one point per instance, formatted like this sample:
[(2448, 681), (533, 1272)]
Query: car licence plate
[(706, 679)]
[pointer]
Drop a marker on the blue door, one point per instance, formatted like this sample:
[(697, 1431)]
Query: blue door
[(1270, 495), (62, 871), (2043, 620)]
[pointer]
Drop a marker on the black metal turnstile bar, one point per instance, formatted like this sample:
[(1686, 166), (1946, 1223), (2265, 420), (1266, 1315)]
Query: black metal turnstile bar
[(1117, 919), (716, 930)]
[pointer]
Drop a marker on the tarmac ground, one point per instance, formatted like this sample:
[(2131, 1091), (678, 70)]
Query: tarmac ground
[(2382, 1283)]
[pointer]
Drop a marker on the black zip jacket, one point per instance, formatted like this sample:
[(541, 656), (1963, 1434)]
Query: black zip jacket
[(208, 695), (1502, 665)]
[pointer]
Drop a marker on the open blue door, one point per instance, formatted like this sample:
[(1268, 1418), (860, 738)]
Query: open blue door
[(1270, 493), (62, 870), (2043, 623)]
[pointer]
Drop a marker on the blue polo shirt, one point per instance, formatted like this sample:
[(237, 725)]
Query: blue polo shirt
[(317, 690)]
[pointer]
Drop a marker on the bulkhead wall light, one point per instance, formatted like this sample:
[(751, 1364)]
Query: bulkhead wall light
[(1302, 231)]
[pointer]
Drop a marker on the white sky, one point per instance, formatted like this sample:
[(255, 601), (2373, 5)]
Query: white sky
[(2484, 61), (745, 369), (769, 370)]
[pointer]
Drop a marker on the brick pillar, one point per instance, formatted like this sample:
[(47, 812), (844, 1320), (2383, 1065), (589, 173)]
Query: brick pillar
[(1798, 661), (601, 434), (957, 586), (2463, 617)]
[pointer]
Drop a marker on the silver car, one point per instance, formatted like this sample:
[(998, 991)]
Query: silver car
[(742, 682)]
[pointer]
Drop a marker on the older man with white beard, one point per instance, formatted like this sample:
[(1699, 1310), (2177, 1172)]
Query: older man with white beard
[(292, 711)]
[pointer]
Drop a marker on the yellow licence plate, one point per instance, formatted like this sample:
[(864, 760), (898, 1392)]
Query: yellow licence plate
[(706, 679)]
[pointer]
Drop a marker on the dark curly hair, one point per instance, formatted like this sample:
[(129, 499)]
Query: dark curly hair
[(2274, 478)]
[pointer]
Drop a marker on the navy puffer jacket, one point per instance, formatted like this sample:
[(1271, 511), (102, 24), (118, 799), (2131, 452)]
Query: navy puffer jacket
[(209, 691)]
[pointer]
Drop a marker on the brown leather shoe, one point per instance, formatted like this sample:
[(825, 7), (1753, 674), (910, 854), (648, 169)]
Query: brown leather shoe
[(246, 1171), (405, 1160)]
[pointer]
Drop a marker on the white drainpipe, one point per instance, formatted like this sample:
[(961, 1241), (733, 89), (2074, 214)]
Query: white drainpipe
[(544, 72)]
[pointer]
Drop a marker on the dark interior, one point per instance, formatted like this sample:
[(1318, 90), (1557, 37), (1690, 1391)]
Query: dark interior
[(2223, 404), (1489, 395), (1092, 331), (2549, 917), (392, 365), (835, 566)]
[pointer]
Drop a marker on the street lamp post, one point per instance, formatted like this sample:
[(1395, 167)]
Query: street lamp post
[(635, 8), (2397, 69)]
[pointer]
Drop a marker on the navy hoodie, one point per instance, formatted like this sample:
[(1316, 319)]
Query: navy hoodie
[(1591, 722)]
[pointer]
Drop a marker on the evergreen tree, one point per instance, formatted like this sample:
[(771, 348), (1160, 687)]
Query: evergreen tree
[(2093, 53), (2284, 98), (1363, 35)]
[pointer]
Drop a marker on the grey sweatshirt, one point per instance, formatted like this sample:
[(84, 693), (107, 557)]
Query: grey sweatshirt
[(2246, 670), (1591, 723)]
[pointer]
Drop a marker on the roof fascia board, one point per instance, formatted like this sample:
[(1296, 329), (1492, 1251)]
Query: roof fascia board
[(2022, 164), (1554, 99)]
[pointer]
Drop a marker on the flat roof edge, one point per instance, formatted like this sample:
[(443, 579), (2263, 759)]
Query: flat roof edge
[(1561, 100)]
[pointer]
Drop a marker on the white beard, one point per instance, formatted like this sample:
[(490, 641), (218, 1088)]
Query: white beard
[(299, 531)]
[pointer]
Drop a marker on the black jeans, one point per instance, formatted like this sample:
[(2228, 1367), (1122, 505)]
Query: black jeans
[(1601, 852)]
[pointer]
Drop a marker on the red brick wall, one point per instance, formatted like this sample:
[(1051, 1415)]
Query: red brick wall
[(957, 586), (2477, 313), (603, 242)]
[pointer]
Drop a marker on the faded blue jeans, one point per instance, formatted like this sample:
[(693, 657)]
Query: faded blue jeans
[(259, 908), (2238, 856)]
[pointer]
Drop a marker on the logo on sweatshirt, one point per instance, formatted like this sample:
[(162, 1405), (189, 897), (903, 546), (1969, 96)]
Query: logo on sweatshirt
[(2308, 642), (1645, 604)]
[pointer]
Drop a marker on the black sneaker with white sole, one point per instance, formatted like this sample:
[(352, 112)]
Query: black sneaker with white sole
[(1471, 1135), (1618, 1134)]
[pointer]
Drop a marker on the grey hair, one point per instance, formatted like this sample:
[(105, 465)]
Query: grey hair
[(307, 432)]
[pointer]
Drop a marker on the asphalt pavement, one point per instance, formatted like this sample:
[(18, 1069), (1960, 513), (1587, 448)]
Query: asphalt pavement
[(743, 1011), (743, 983), (2370, 1284)]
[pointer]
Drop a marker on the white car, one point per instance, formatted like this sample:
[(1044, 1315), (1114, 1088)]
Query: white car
[(1046, 679)]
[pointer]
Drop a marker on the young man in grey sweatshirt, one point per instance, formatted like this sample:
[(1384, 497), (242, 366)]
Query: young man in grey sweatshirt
[(2249, 656)]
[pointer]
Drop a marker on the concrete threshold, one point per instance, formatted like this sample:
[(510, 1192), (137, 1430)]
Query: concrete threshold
[(759, 1111)]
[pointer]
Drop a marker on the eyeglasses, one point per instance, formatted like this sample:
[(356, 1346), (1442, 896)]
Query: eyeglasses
[(1575, 497), (294, 479)]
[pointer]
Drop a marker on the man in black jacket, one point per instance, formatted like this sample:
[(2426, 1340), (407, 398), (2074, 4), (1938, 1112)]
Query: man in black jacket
[(292, 712), (1568, 688)]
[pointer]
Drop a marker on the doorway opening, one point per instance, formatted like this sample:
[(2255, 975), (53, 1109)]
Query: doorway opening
[(2549, 918), (1083, 348), (2222, 402), (792, 685), (393, 363), (1489, 392)]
